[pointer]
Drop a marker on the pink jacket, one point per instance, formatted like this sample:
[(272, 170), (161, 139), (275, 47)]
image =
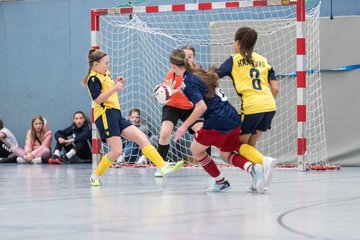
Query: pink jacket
[(46, 143)]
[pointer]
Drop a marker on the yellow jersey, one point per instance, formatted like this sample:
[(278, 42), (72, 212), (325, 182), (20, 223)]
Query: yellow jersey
[(251, 82), (97, 84)]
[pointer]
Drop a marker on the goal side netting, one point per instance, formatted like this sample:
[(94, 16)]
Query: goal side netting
[(139, 43)]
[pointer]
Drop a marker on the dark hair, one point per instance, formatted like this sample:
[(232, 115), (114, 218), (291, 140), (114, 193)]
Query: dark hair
[(87, 120), (94, 55), (189, 47), (209, 77), (134, 110), (1, 124), (247, 39)]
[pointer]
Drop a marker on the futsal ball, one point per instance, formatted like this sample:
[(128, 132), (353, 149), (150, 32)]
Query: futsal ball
[(162, 93)]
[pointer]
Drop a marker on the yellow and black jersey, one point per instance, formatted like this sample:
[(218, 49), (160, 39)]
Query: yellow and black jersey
[(251, 82), (97, 84)]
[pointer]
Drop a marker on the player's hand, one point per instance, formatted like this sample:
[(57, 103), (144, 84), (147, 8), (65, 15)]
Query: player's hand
[(170, 83), (61, 140), (179, 133), (119, 85)]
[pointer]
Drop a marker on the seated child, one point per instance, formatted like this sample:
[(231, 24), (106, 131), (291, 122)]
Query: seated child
[(75, 140)]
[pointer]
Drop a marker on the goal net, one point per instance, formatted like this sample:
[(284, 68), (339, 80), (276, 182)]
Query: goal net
[(140, 39)]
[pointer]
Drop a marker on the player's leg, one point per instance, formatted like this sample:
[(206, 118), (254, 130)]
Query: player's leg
[(208, 164), (132, 133), (107, 160), (164, 138), (198, 148), (109, 127)]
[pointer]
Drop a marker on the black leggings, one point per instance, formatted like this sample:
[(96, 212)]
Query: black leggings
[(4, 150), (82, 149)]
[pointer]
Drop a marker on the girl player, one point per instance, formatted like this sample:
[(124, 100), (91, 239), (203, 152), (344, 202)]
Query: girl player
[(179, 107), (109, 121), (255, 82), (221, 124)]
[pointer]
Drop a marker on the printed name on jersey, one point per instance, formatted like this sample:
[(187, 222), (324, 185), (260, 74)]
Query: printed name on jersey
[(243, 62)]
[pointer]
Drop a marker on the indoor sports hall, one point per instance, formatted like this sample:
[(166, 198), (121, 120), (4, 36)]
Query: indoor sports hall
[(314, 136)]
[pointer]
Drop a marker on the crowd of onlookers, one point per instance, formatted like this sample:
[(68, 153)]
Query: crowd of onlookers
[(72, 144)]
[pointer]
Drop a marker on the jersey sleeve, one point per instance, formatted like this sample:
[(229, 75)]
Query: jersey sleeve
[(271, 74), (226, 68), (192, 90), (94, 86)]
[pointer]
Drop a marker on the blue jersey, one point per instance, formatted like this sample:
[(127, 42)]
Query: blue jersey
[(220, 114)]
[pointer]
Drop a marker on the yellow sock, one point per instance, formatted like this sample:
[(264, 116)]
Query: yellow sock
[(251, 153), (104, 165), (152, 154)]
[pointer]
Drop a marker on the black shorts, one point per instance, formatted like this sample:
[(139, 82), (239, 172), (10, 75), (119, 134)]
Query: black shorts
[(258, 121), (173, 115), (111, 124)]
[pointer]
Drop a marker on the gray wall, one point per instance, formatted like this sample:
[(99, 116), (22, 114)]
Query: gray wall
[(44, 45), (339, 43)]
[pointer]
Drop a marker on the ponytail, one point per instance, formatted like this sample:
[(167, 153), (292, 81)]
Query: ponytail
[(247, 38), (94, 56)]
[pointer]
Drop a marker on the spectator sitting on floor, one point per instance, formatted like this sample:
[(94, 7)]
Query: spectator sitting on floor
[(7, 141), (37, 143), (75, 140)]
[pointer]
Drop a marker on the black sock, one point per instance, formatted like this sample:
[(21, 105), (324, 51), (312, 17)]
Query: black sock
[(163, 150), (208, 150)]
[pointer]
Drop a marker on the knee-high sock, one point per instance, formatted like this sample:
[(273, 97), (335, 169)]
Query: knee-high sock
[(240, 162), (210, 167), (163, 150), (104, 165), (150, 153), (250, 153)]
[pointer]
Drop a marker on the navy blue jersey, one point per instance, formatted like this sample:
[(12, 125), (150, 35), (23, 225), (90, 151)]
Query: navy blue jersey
[(220, 114), (81, 134)]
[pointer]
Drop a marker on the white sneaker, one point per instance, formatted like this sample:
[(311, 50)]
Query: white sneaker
[(120, 159), (36, 160), (219, 187), (257, 173), (253, 189), (142, 160), (268, 164), (21, 160), (158, 173), (95, 181)]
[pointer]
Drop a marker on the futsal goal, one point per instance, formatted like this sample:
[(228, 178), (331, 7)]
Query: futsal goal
[(139, 40)]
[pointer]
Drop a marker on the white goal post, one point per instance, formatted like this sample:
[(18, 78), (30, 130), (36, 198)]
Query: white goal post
[(139, 40)]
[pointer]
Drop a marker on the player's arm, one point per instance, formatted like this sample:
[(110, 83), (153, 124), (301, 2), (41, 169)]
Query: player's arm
[(274, 84), (225, 68), (199, 110), (193, 93), (95, 86)]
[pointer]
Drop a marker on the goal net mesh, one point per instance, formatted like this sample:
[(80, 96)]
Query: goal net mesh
[(139, 45)]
